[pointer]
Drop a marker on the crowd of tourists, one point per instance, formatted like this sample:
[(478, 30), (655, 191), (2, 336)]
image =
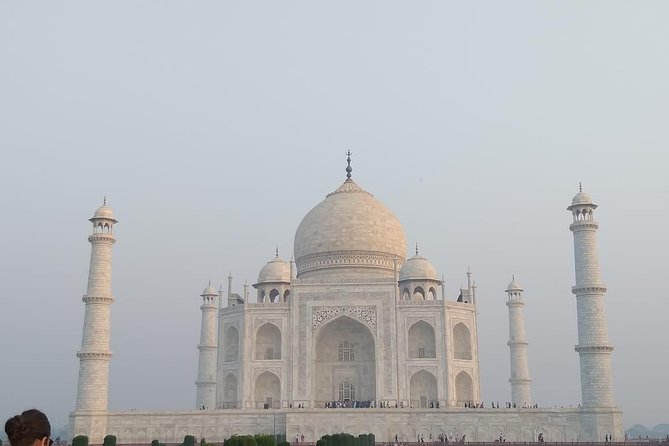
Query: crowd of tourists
[(420, 438), (347, 404), (495, 405)]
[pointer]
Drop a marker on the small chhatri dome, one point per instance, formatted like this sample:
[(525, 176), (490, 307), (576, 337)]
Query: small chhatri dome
[(418, 268), (581, 198), (513, 285), (276, 270), (209, 291), (104, 211)]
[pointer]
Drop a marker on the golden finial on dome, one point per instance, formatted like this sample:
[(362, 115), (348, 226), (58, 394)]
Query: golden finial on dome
[(349, 169)]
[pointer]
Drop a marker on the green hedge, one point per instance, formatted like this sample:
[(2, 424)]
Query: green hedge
[(189, 440), (264, 440), (240, 440), (110, 440), (283, 443), (80, 440), (346, 440)]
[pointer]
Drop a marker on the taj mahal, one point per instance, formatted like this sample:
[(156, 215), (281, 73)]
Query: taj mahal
[(354, 336)]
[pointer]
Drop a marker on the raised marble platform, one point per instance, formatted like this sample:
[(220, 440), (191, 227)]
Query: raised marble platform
[(482, 425)]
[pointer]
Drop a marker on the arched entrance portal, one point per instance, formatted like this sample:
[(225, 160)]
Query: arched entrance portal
[(344, 363)]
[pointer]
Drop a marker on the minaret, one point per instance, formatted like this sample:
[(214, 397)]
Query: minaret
[(206, 371), (231, 301), (94, 356), (593, 347), (521, 393), (443, 286)]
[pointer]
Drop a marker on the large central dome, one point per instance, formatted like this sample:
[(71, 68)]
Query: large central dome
[(350, 231)]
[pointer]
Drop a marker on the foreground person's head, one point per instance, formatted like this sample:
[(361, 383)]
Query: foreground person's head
[(31, 428)]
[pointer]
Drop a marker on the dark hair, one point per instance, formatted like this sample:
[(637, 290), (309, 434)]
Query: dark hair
[(24, 429)]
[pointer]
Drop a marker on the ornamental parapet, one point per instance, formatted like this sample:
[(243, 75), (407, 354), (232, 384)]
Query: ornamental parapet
[(588, 289), (593, 349), (584, 225), (409, 303), (97, 299), (265, 305), (102, 238), (94, 355)]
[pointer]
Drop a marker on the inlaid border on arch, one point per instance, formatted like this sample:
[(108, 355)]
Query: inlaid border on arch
[(257, 371), (411, 320), (365, 314), (411, 371), (259, 322)]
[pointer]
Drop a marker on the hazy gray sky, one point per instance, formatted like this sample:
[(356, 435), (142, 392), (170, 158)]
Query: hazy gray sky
[(213, 127)]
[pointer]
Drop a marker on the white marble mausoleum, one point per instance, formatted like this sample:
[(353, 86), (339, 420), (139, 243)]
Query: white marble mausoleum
[(355, 324)]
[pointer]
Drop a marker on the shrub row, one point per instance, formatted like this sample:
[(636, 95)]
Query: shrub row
[(189, 440), (346, 440)]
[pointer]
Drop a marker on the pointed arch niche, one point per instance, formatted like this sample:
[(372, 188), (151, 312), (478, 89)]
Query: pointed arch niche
[(268, 342), (231, 345), (267, 391), (423, 389), (464, 388), (230, 391), (422, 341), (462, 342)]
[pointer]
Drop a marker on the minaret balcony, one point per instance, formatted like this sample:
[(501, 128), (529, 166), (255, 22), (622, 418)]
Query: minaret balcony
[(591, 288), (94, 355), (520, 380), (584, 225), (593, 349), (97, 299), (207, 348), (102, 237)]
